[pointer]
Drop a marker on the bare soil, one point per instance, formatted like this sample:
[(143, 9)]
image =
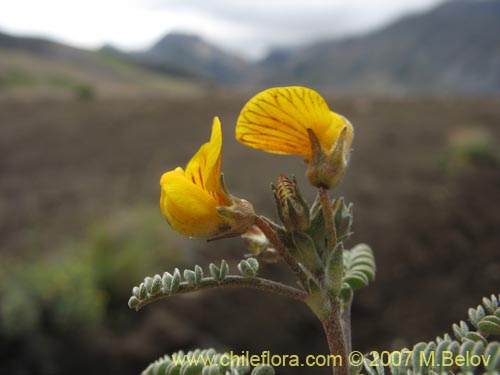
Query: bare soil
[(435, 233)]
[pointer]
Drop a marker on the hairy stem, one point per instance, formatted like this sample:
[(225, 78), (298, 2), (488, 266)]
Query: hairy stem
[(336, 343), (232, 281), (331, 232), (345, 317), (281, 249), (337, 324)]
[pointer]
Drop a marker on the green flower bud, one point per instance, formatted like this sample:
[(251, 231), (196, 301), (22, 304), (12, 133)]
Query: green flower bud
[(292, 208), (255, 240)]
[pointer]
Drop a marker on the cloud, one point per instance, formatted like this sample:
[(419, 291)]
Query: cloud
[(249, 27), (264, 23)]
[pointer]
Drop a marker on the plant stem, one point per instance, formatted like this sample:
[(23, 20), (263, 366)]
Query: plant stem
[(336, 343), (232, 281), (337, 324), (331, 232), (345, 315), (281, 249)]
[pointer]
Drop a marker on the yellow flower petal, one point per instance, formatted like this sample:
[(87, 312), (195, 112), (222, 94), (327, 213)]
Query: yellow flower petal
[(204, 167), (188, 208), (276, 120)]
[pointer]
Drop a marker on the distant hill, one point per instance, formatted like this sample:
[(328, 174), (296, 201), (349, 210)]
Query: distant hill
[(35, 66), (191, 55), (454, 48), (451, 49)]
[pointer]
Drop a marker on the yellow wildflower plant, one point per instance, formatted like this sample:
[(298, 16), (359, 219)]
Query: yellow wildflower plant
[(195, 201), (297, 121)]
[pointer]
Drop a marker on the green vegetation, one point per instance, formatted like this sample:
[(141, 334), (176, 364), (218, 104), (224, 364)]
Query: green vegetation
[(19, 79), (16, 78), (78, 283), (82, 75), (471, 147), (66, 287)]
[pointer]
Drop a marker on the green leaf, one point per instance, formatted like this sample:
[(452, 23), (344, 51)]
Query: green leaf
[(305, 252), (219, 273), (176, 282), (148, 281), (263, 370), (133, 302), (157, 285), (475, 336), (461, 330), (373, 367), (249, 267), (468, 349), (212, 370), (191, 368), (491, 303), (224, 269), (356, 280), (343, 219), (167, 281), (490, 324), (475, 315), (136, 292), (421, 355), (199, 274), (162, 367), (355, 370), (201, 362), (143, 292), (359, 266), (443, 349), (190, 278), (173, 369), (492, 355), (399, 366)]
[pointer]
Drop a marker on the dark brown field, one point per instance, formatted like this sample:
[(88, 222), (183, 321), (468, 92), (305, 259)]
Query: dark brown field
[(434, 226)]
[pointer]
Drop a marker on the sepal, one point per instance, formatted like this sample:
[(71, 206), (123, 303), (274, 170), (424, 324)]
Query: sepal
[(305, 252), (327, 170), (238, 217)]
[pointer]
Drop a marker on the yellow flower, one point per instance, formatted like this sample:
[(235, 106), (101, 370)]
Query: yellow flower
[(195, 201), (296, 120)]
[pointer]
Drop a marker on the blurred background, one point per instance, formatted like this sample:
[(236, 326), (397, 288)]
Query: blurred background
[(98, 99)]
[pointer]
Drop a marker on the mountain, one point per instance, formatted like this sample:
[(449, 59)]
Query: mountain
[(190, 55), (454, 48), (451, 49), (36, 66)]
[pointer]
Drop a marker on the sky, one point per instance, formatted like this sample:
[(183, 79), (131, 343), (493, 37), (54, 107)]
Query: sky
[(247, 27)]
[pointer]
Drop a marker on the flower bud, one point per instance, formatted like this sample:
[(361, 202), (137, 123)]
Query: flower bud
[(292, 209), (259, 245), (255, 240)]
